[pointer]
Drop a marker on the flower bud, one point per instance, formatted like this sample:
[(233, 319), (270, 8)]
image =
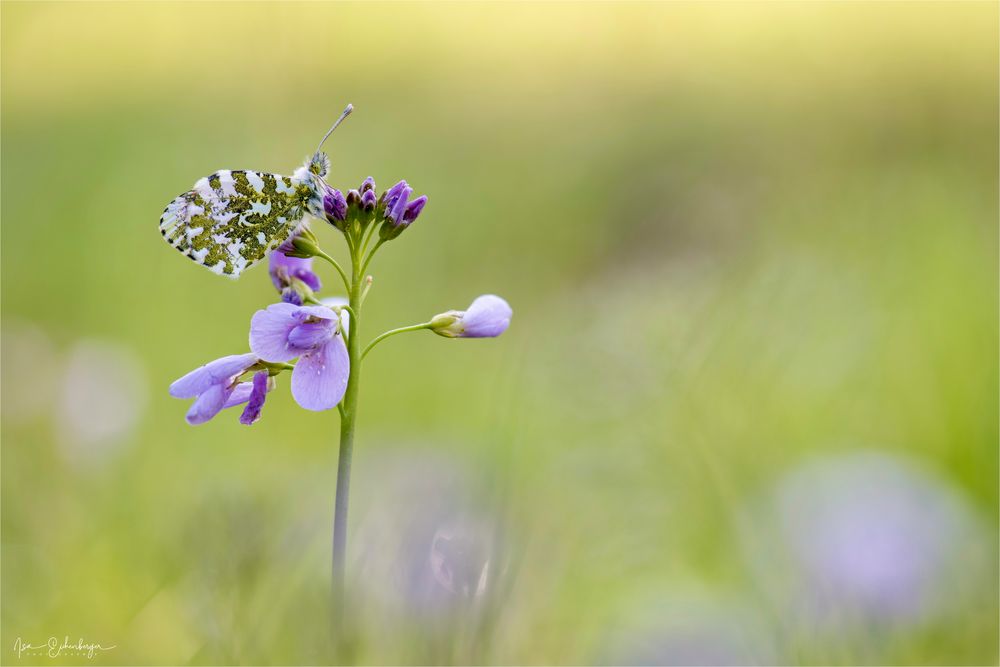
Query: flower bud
[(414, 208), (335, 207), (368, 185), (304, 248), (368, 201), (487, 317)]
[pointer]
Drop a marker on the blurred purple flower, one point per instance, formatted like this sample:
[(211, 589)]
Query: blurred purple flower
[(214, 388), (368, 185), (284, 331), (872, 537), (487, 317), (292, 275)]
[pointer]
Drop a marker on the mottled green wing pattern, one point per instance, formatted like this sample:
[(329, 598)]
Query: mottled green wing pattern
[(232, 219)]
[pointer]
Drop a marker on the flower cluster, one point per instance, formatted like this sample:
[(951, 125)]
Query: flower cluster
[(314, 333), (360, 209)]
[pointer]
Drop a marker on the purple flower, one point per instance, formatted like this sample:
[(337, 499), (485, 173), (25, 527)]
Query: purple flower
[(368, 200), (368, 185), (291, 274), (335, 207), (214, 388), (284, 331), (414, 208), (487, 317), (398, 210), (255, 401)]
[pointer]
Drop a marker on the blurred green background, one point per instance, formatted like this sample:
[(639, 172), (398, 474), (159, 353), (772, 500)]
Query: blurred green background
[(746, 411)]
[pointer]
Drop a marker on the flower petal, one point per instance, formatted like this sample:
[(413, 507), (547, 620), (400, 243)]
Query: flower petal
[(200, 379), (208, 404), (322, 312), (257, 395), (487, 317), (311, 335), (320, 378), (240, 395), (269, 332)]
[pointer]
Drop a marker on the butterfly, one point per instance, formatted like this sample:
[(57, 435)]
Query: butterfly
[(231, 220)]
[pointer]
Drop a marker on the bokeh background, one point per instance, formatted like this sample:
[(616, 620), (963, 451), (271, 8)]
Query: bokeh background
[(747, 410)]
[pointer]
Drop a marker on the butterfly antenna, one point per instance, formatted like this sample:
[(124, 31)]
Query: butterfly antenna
[(347, 112)]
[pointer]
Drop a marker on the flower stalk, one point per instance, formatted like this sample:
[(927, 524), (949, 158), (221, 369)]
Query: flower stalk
[(348, 421)]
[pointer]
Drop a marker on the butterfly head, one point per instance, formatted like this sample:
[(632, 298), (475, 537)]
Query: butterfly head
[(319, 164)]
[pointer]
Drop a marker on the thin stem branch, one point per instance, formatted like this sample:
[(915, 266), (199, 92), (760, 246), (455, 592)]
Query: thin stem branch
[(340, 270), (393, 332), (368, 259)]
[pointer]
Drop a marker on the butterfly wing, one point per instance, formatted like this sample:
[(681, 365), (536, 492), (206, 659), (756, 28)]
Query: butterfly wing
[(231, 220)]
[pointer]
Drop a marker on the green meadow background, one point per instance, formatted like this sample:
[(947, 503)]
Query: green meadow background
[(748, 246)]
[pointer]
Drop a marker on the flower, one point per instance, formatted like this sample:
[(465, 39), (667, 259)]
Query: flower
[(284, 331), (255, 400), (292, 276), (487, 317), (398, 211), (214, 388), (368, 185), (335, 207)]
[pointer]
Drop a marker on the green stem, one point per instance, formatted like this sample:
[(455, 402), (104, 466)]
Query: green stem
[(368, 260), (393, 332), (348, 412), (336, 265)]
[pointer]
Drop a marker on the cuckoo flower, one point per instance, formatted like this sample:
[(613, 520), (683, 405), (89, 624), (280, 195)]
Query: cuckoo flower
[(292, 276), (487, 317), (398, 210), (214, 387), (284, 331), (335, 207)]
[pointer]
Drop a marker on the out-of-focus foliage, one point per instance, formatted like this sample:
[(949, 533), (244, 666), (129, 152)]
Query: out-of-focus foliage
[(746, 411)]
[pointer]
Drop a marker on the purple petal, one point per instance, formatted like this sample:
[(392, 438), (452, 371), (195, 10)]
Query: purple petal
[(368, 200), (215, 372), (269, 332), (282, 268), (240, 395), (256, 401), (487, 317), (311, 335), (414, 208), (321, 312), (320, 378), (395, 213), (289, 295), (334, 204), (393, 193), (208, 404)]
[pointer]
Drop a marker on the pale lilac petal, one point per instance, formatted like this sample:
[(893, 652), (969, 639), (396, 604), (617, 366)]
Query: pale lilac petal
[(240, 395), (269, 332), (345, 317), (283, 267), (487, 317), (322, 312), (208, 404), (220, 370), (311, 334), (256, 400), (320, 378)]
